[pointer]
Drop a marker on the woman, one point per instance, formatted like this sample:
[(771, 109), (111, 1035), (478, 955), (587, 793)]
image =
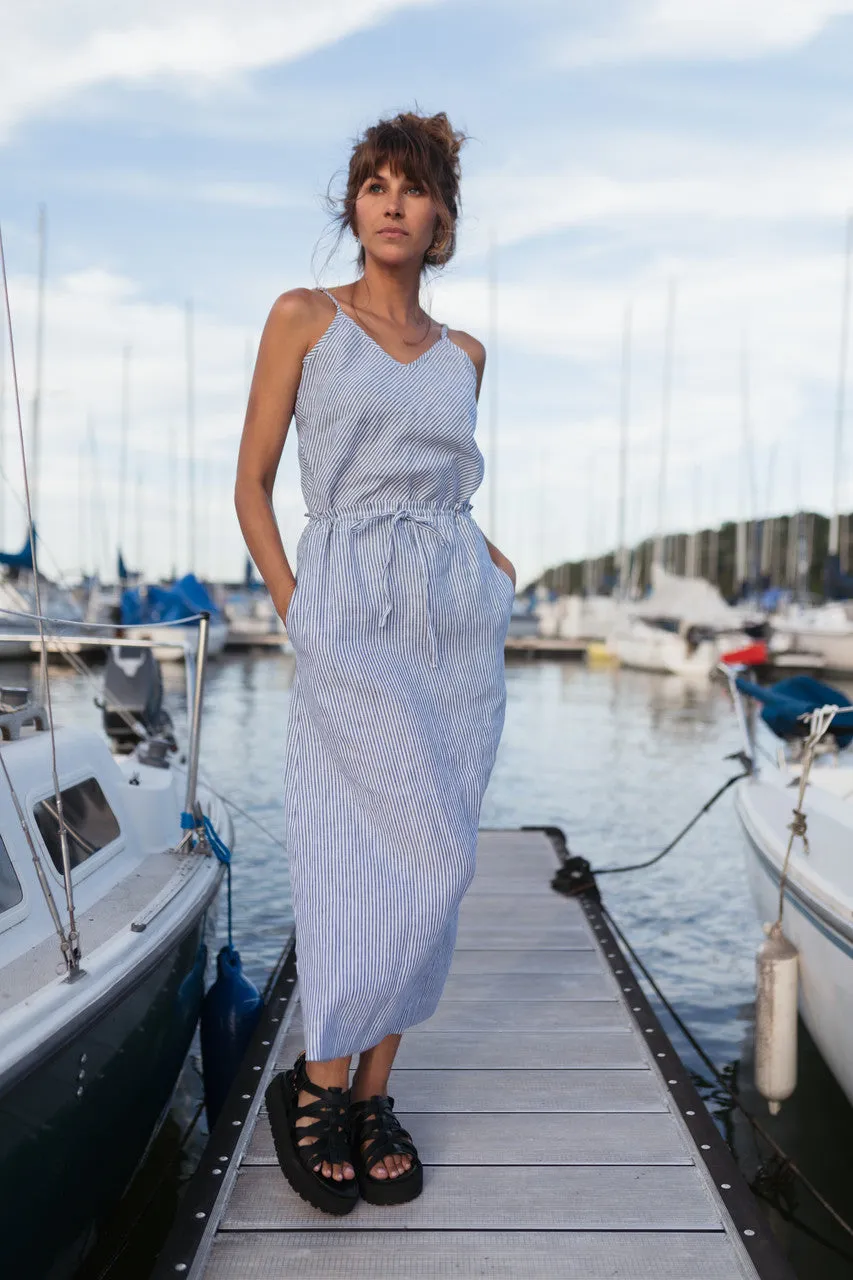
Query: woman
[(397, 615)]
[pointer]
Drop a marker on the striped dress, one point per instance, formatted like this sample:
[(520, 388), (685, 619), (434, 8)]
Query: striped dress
[(397, 622)]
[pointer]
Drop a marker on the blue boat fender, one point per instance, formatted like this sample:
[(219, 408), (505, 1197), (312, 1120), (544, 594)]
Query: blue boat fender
[(229, 1015)]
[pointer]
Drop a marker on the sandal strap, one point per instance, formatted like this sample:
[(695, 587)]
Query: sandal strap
[(329, 1129), (378, 1133)]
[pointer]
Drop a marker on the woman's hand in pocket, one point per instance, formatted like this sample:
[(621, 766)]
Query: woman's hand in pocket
[(284, 612)]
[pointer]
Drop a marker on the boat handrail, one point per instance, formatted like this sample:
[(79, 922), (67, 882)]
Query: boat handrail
[(98, 641), (97, 626)]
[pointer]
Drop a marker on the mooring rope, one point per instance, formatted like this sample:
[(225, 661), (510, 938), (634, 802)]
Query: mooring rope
[(721, 791), (819, 721)]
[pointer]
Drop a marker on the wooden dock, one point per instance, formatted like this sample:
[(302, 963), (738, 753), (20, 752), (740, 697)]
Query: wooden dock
[(560, 1133), (535, 646)]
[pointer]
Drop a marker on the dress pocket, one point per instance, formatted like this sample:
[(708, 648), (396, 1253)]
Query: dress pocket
[(288, 617)]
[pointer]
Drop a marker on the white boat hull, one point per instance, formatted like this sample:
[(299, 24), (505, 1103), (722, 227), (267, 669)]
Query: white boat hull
[(645, 648), (832, 644), (817, 917)]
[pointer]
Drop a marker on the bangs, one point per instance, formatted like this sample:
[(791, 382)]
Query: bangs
[(405, 155)]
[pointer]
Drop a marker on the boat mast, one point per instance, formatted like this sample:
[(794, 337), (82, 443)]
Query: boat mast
[(190, 357), (624, 417), (3, 436), (173, 499), (140, 542), (125, 424), (36, 406), (493, 386), (747, 570), (666, 406), (841, 396), (98, 503)]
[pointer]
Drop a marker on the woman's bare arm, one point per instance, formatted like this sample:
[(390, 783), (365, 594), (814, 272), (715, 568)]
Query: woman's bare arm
[(477, 353), (294, 324)]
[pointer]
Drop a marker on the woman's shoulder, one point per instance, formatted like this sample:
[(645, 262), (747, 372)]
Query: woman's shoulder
[(300, 305), (298, 317), (472, 347)]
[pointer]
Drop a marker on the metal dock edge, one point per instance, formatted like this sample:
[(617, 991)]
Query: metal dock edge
[(560, 1133)]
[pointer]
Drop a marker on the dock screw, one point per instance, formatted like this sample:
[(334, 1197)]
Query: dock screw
[(749, 1232), (705, 1146), (661, 1055), (672, 1082), (727, 1186), (201, 1214), (236, 1123), (216, 1172), (180, 1266), (690, 1113)]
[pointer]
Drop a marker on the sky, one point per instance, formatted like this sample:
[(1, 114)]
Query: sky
[(620, 153)]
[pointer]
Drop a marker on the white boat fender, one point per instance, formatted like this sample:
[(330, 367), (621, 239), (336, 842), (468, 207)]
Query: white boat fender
[(776, 1017)]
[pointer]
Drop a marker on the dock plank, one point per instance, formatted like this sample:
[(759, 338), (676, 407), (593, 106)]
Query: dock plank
[(503, 961), (474, 1198), (519, 1139), (437, 1050), (475, 1255), (490, 1091), (534, 988)]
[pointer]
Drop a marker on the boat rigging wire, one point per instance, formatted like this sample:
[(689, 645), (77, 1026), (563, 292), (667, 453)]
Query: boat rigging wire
[(71, 945), (721, 1080)]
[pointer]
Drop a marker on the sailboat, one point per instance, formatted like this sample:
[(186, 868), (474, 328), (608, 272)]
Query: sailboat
[(108, 883)]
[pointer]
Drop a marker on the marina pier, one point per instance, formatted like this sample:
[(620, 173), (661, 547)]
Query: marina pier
[(560, 1133)]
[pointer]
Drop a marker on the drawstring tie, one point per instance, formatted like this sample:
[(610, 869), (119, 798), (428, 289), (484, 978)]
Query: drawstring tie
[(404, 513), (396, 515)]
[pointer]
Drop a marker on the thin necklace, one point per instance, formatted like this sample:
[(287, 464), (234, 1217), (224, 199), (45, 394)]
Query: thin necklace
[(406, 343)]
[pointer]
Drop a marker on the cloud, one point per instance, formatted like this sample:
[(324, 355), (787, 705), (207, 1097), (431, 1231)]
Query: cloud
[(51, 52), (646, 179), (700, 30)]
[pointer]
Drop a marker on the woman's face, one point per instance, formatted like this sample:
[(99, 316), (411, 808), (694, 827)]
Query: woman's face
[(395, 217)]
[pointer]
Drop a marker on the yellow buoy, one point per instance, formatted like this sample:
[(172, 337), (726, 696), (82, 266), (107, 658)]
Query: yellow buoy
[(776, 1017)]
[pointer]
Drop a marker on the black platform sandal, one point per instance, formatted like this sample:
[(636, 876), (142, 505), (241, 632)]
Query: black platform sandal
[(330, 1129), (377, 1133)]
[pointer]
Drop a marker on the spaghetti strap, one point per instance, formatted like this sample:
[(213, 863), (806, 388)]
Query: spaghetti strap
[(330, 295)]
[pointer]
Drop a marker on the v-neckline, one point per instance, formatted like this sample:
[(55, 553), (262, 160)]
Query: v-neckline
[(402, 364)]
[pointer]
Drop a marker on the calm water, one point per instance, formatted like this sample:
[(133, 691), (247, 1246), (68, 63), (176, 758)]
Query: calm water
[(620, 761)]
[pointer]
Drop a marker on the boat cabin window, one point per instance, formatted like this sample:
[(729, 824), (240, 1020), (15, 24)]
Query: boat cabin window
[(11, 892), (89, 821)]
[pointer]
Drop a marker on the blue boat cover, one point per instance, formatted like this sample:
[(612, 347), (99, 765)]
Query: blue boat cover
[(22, 559), (785, 702), (154, 604)]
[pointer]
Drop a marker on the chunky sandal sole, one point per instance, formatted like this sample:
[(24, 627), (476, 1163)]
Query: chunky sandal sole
[(306, 1184), (408, 1186)]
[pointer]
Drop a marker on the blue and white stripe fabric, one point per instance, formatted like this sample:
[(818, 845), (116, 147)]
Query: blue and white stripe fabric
[(398, 623)]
